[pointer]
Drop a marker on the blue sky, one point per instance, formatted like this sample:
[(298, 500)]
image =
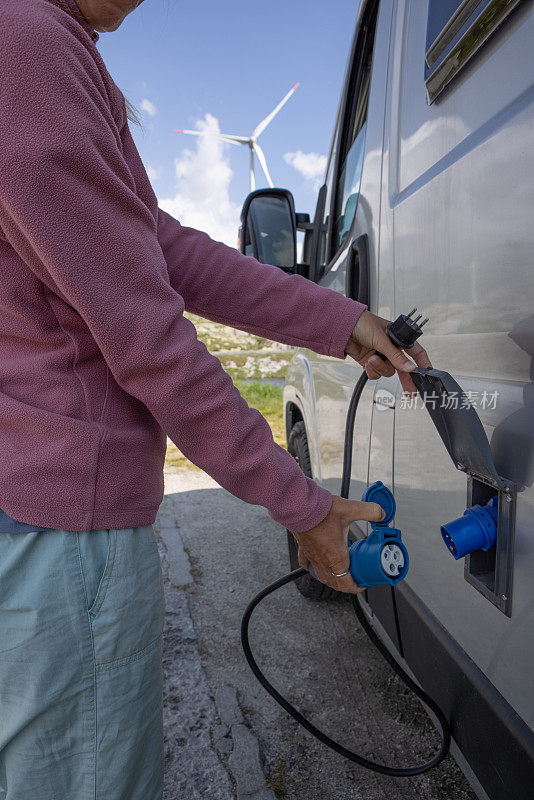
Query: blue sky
[(207, 64)]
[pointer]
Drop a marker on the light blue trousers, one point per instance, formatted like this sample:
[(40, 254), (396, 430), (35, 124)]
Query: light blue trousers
[(81, 623)]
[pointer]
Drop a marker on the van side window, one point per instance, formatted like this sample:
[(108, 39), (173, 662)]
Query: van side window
[(353, 138), (440, 14), (322, 255), (456, 31)]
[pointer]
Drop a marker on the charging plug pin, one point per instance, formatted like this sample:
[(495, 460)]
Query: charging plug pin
[(404, 331), (412, 312), (423, 322)]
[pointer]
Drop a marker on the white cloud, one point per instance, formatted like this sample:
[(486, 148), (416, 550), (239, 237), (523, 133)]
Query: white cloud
[(311, 165), (203, 176), (148, 107), (153, 173)]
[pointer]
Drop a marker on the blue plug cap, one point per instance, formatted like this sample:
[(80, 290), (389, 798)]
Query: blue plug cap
[(381, 559), (378, 493), (475, 530)]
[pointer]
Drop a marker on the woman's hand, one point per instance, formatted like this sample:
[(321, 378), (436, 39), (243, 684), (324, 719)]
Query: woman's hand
[(369, 335), (325, 546)]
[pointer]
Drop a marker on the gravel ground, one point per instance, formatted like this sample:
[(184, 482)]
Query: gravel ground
[(226, 738)]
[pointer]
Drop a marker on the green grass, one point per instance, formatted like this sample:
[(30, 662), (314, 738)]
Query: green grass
[(263, 396)]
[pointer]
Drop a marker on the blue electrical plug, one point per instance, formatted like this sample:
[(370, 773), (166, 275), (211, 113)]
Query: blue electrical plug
[(381, 559), (475, 530)]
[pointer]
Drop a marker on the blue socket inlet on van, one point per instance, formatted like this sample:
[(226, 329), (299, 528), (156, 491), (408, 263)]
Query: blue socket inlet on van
[(475, 530), (381, 559)]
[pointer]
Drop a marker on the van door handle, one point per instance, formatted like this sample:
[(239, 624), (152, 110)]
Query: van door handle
[(357, 271)]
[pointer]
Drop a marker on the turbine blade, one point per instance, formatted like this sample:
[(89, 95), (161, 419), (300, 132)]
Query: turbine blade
[(263, 124), (263, 162), (237, 140), (226, 136), (193, 133)]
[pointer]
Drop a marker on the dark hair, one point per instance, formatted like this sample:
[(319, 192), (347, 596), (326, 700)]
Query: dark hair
[(132, 113)]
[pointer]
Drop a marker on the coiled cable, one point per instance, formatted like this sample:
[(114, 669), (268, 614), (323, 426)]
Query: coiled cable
[(397, 772)]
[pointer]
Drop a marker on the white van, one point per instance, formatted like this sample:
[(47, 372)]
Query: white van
[(428, 201)]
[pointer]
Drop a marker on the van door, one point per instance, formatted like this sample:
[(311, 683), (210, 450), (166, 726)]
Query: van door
[(350, 213)]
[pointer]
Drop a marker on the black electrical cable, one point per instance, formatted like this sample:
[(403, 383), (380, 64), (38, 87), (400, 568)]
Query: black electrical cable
[(362, 618)]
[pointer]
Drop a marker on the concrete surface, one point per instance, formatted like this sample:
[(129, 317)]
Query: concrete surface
[(226, 739)]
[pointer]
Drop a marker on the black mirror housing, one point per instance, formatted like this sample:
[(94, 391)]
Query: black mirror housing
[(269, 228)]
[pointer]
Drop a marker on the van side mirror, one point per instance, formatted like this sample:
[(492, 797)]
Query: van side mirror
[(268, 228)]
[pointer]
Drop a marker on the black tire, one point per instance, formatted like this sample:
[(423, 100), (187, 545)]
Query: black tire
[(307, 585)]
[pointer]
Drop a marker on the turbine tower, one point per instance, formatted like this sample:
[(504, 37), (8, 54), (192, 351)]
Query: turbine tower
[(251, 141)]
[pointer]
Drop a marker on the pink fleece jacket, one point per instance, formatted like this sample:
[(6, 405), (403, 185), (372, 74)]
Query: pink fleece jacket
[(97, 361)]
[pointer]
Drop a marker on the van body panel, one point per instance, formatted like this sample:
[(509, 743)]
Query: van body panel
[(299, 393), (482, 722), (464, 246)]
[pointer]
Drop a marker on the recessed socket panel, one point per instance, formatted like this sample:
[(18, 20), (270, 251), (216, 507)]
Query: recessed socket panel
[(491, 571)]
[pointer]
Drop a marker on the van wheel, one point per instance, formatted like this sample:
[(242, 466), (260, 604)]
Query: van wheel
[(307, 585)]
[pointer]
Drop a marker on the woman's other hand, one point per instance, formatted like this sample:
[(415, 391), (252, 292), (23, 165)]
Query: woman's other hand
[(325, 546), (370, 335)]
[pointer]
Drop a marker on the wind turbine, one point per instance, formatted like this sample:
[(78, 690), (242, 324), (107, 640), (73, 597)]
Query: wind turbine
[(251, 141)]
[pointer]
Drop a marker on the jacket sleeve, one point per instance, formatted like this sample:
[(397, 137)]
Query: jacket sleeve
[(69, 208), (220, 283)]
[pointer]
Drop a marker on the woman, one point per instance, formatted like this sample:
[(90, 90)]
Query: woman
[(98, 365)]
